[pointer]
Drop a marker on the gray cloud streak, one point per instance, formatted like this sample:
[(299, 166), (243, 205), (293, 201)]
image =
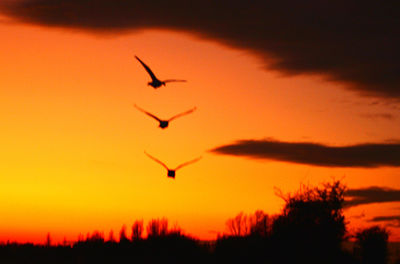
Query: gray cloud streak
[(386, 116), (385, 218), (371, 195), (391, 221), (367, 155)]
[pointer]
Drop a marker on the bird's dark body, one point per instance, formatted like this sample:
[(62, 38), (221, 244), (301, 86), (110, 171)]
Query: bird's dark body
[(171, 174), (163, 124), (156, 84)]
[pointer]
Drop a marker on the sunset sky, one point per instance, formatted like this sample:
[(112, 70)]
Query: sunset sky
[(284, 96)]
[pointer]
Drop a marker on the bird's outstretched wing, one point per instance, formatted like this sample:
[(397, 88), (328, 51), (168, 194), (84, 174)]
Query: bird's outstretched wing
[(182, 114), (173, 80), (153, 77), (147, 113), (156, 160), (187, 163)]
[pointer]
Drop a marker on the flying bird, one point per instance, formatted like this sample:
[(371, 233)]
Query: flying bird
[(155, 82), (165, 123), (171, 172)]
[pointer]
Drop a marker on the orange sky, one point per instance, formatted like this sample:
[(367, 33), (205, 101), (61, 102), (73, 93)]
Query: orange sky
[(72, 156)]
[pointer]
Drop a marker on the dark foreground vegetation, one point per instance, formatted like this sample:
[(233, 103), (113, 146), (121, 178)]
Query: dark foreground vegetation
[(310, 229)]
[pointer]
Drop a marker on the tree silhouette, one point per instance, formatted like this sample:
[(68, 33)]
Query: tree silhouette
[(259, 223), (309, 230), (122, 235), (48, 240), (372, 245), (313, 219), (137, 230), (238, 226), (157, 227), (111, 237), (95, 237), (252, 224)]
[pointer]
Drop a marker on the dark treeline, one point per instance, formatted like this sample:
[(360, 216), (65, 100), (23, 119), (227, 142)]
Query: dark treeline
[(310, 229)]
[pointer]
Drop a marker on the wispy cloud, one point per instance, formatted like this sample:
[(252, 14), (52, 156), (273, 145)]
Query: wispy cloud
[(360, 216), (367, 155), (371, 195), (351, 42)]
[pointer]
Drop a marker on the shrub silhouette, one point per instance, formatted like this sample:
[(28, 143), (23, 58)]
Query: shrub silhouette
[(312, 222), (372, 245), (310, 229)]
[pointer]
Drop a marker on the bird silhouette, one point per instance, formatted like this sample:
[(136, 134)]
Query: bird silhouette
[(171, 172), (165, 123), (155, 82)]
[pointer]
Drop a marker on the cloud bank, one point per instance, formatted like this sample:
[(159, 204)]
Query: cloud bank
[(347, 41), (371, 195), (367, 155), (393, 220)]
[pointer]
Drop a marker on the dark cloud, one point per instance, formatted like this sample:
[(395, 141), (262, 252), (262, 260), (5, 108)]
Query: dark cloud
[(386, 116), (348, 41), (362, 155), (371, 195), (385, 218), (393, 220)]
